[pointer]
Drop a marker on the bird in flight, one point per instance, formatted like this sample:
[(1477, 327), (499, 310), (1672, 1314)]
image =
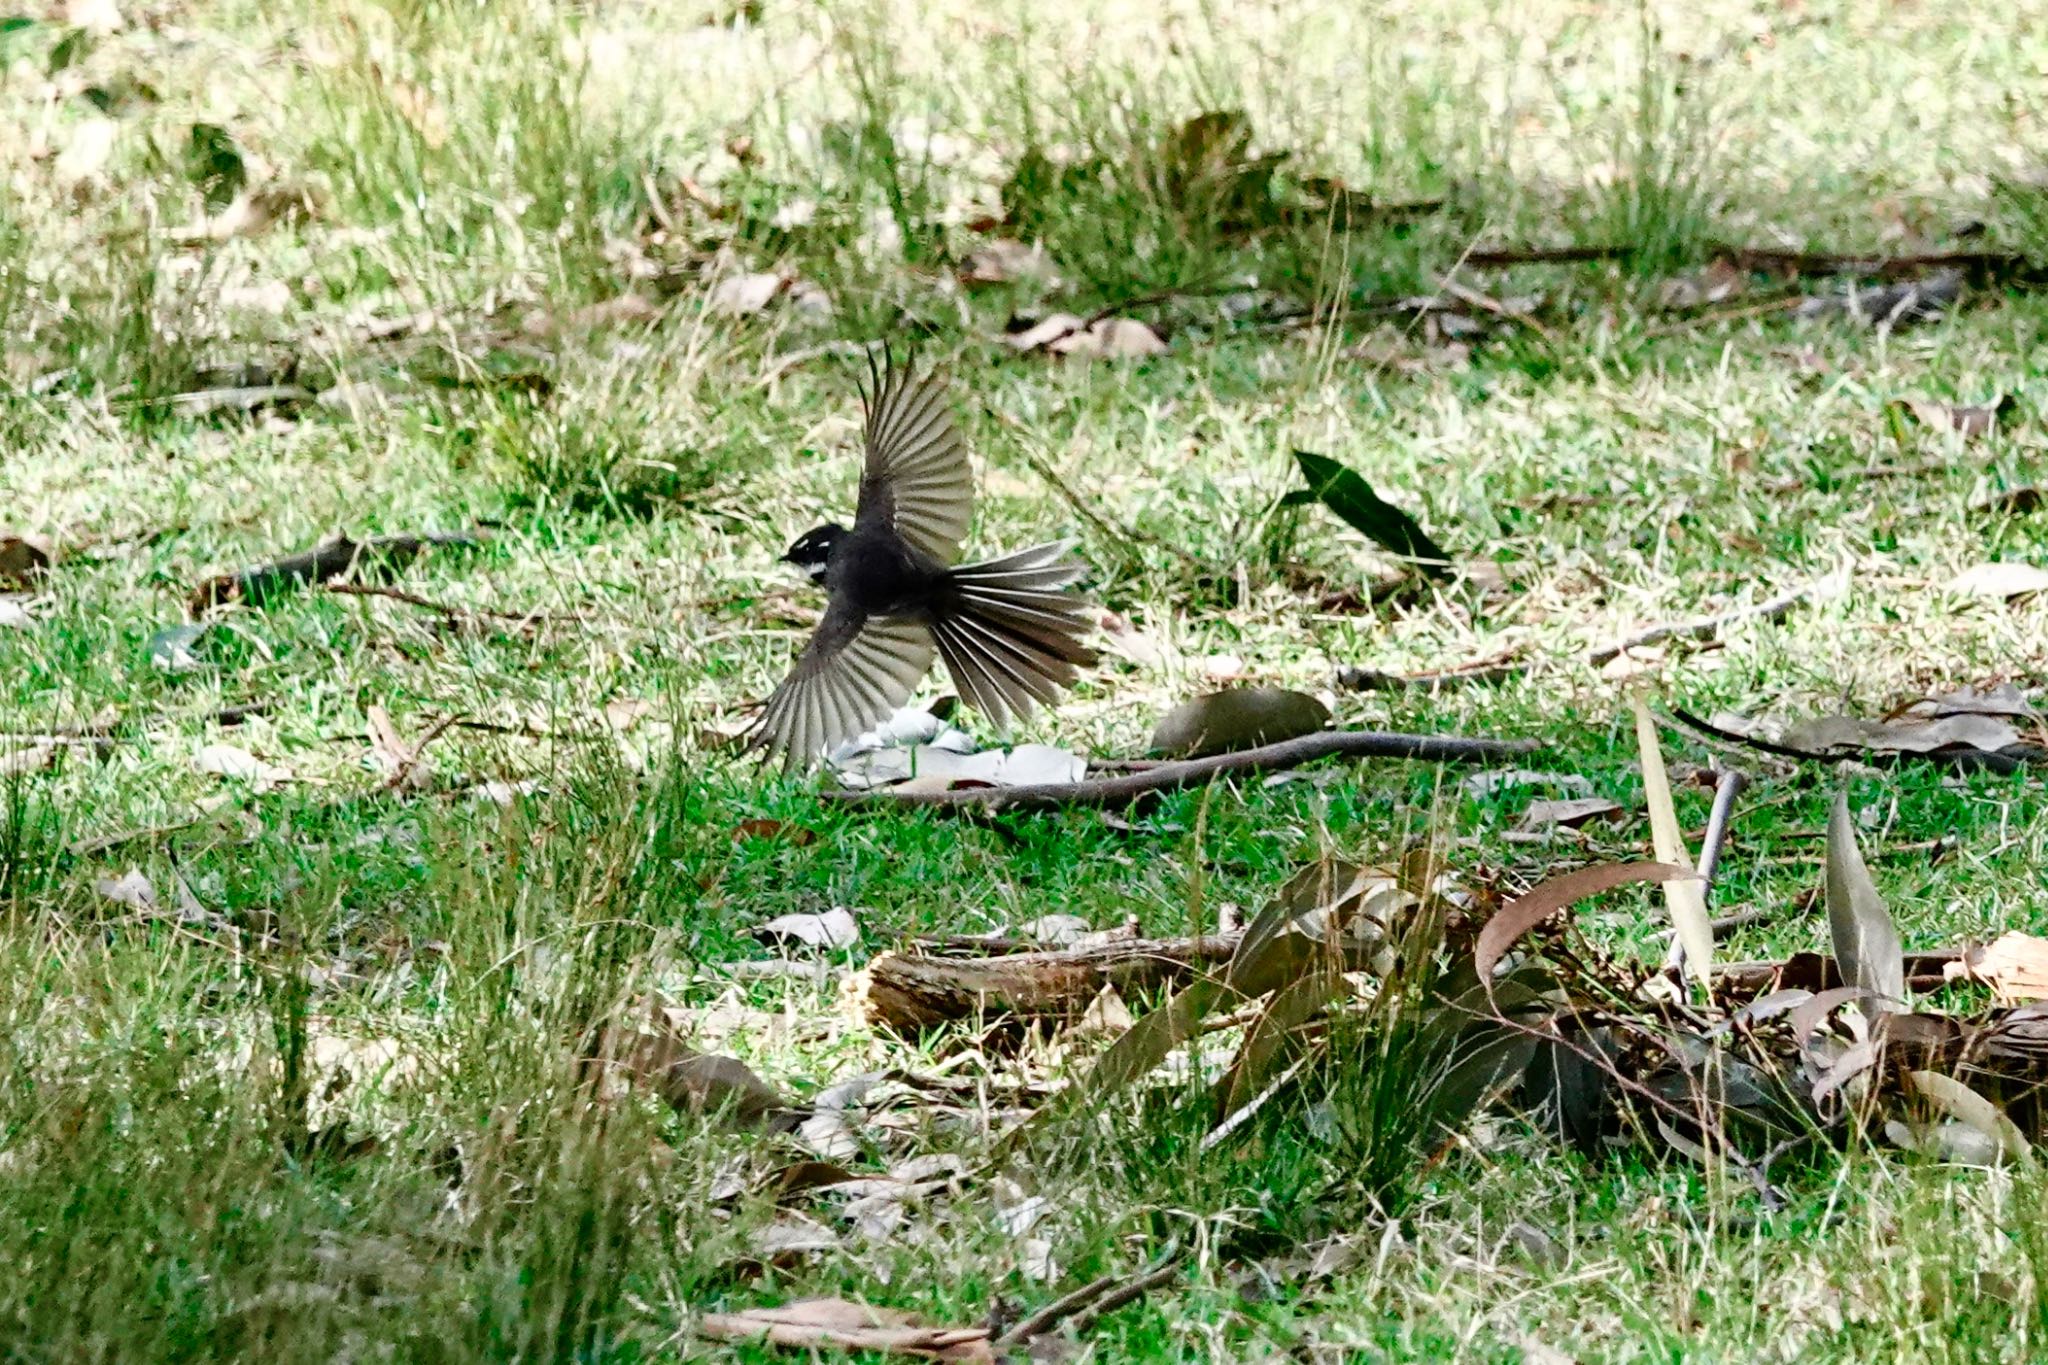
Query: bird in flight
[(1008, 629)]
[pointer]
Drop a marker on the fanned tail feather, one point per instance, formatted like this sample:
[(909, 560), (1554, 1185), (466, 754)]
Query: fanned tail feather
[(1011, 635)]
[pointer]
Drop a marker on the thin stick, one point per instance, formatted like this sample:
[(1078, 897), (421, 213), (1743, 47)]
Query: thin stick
[(1706, 627), (1733, 780), (1095, 1298), (1272, 757)]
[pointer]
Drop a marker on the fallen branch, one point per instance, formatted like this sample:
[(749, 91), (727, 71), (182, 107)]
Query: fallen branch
[(332, 559), (912, 992), (1120, 790)]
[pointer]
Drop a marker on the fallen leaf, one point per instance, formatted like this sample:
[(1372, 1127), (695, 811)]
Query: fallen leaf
[(1836, 735), (1344, 492), (1572, 813), (1968, 1107), (174, 648), (1720, 281), (1238, 718), (747, 294), (13, 615), (2002, 579), (1865, 940), (1890, 305), (1065, 334), (1547, 897), (1005, 260), (27, 758), (239, 765), (398, 759), (24, 559), (1055, 931), (250, 214), (1029, 765), (833, 930), (2014, 966), (87, 150), (1106, 1017), (1685, 899), (1974, 420), (817, 1324), (1494, 781), (623, 713), (131, 889)]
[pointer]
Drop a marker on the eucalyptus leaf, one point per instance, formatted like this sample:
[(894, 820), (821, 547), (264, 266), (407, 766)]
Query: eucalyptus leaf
[(1237, 718), (1866, 941), (1347, 494)]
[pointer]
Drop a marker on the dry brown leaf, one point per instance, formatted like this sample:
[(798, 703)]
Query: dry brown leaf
[(1968, 420), (2014, 966), (1720, 281), (1546, 898), (24, 559), (1905, 735), (818, 1324), (1866, 942), (623, 713), (1238, 718), (2002, 579)]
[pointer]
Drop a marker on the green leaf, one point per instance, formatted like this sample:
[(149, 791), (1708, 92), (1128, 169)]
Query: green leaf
[(1351, 497)]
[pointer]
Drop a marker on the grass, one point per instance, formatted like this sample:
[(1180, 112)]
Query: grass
[(334, 1092)]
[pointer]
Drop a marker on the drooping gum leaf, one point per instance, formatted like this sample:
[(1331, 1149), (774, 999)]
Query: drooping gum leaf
[(1347, 494), (1686, 900), (1547, 897), (1866, 941), (1965, 1105)]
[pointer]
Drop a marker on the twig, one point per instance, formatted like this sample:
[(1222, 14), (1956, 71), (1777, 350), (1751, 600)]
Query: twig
[(1094, 1299), (1373, 680), (1981, 265), (1128, 787), (1547, 255), (1730, 786), (451, 612), (1707, 627)]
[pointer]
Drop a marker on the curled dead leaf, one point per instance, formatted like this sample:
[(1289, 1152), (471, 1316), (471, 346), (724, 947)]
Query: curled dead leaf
[(1237, 718)]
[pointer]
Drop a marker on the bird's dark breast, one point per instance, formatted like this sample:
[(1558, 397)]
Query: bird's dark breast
[(881, 575)]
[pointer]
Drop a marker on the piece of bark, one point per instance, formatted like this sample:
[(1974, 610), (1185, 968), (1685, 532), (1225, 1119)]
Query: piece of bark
[(911, 992)]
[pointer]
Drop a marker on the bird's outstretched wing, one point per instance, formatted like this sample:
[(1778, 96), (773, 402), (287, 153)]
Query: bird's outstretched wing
[(851, 677), (917, 478)]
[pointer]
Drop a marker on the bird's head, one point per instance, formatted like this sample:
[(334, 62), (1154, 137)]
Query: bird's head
[(812, 550)]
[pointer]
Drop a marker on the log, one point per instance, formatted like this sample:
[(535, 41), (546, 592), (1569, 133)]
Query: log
[(911, 992)]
